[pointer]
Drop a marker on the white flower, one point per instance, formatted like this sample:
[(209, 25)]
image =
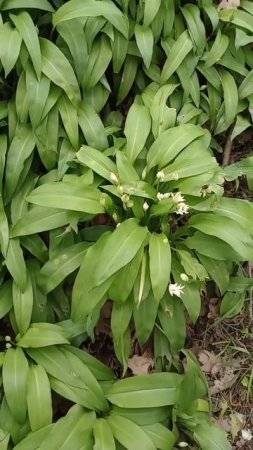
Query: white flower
[(159, 196), (178, 197), (145, 206), (175, 176), (160, 175), (118, 224), (184, 277), (167, 195), (125, 198), (114, 178), (120, 189), (182, 444), (130, 204), (246, 435), (176, 289), (182, 208), (7, 338), (115, 217), (8, 345)]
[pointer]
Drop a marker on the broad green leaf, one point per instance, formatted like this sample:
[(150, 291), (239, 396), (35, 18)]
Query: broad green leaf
[(146, 391), (103, 436), (137, 128), (172, 318), (99, 370), (76, 8), (144, 318), (196, 27), (120, 248), (218, 49), (246, 88), (230, 95), (15, 263), (128, 77), (99, 59), (4, 230), (15, 372), (39, 403), (192, 300), (225, 229), (159, 264), (10, 43), (72, 32), (123, 283), (37, 92), (39, 219), (179, 50), (37, 4), (163, 117), (212, 247), (232, 304), (86, 295), (151, 8), (120, 318), (211, 437), (128, 433), (171, 142), (122, 349), (161, 436), (119, 50), (57, 68), (19, 151), (67, 196), (240, 211), (23, 305), (36, 246), (97, 161), (6, 298), (217, 270), (36, 338), (239, 284), (143, 416), (69, 119), (24, 23), (125, 169), (242, 19), (145, 41), (33, 440), (191, 266), (61, 265), (92, 127)]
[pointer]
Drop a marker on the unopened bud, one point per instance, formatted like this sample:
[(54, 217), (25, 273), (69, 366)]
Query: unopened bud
[(145, 206), (114, 178), (160, 175), (184, 277), (125, 198), (8, 345), (7, 338), (130, 204)]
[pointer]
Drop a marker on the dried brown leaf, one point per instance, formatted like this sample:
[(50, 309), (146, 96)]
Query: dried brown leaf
[(141, 365)]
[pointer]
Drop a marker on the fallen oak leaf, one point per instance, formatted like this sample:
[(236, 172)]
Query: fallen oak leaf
[(141, 365)]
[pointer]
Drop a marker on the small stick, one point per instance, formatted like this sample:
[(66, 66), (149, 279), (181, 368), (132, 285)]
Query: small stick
[(228, 146)]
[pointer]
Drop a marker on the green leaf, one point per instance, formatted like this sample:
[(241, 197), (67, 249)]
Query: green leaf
[(217, 50), (20, 150), (145, 317), (37, 94), (10, 43), (57, 68), (122, 349), (120, 318), (172, 318), (15, 372), (217, 270), (137, 129), (100, 371), (39, 219), (161, 436), (120, 248), (15, 263), (23, 305), (64, 262), (42, 335), (67, 196), (33, 440), (246, 88), (230, 95), (6, 298), (191, 266), (151, 8), (37, 4), (212, 247), (86, 295), (119, 50), (196, 27), (99, 60), (211, 437), (70, 120), (171, 142), (146, 391), (128, 77), (232, 304), (178, 52), (128, 433), (97, 161), (225, 229), (145, 41), (159, 264), (23, 22), (143, 416), (39, 401), (242, 19), (103, 436), (76, 8), (92, 127)]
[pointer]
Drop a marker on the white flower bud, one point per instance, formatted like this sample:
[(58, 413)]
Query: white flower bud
[(160, 175), (183, 444), (8, 345), (165, 241), (144, 173), (118, 224), (159, 196), (125, 198), (102, 201), (120, 189), (130, 204), (145, 206), (114, 178), (115, 217), (167, 195), (7, 338), (184, 277)]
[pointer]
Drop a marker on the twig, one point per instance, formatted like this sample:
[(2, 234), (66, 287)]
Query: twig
[(228, 146)]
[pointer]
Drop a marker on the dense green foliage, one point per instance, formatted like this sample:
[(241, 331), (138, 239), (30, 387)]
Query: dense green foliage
[(111, 118)]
